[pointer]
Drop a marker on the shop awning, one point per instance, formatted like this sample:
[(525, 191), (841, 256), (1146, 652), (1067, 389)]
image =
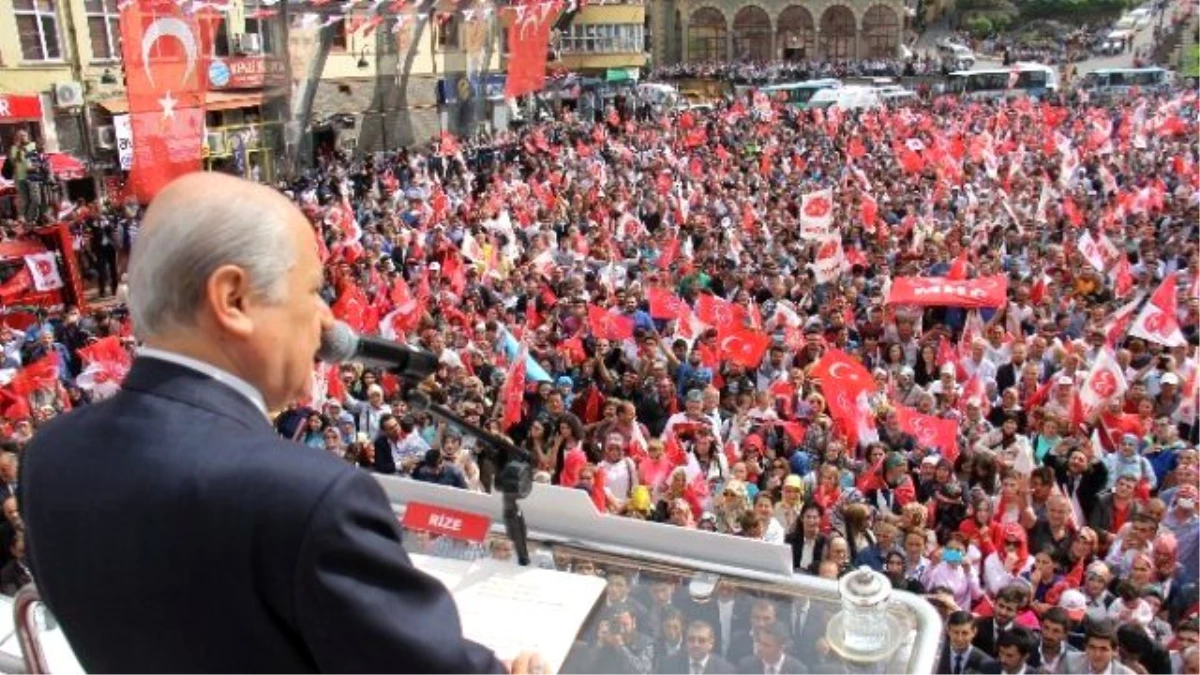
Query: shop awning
[(214, 100), (116, 106), (66, 167), (231, 100)]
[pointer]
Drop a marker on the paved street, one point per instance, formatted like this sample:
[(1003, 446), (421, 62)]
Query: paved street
[(939, 30)]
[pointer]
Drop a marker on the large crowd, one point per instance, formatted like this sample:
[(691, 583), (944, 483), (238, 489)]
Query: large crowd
[(654, 309)]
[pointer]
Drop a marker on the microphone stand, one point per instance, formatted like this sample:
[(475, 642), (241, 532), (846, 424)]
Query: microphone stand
[(515, 480)]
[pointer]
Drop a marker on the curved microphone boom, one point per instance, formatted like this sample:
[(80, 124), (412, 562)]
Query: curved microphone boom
[(340, 343)]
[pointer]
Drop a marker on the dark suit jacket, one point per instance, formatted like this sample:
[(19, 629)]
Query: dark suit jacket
[(741, 647), (977, 661), (985, 639), (985, 635), (796, 540), (1007, 375), (994, 668), (384, 462), (680, 664), (709, 612), (170, 529), (1091, 483), (753, 665)]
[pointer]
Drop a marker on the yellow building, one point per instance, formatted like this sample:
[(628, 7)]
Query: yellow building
[(376, 86), (604, 41), (55, 56)]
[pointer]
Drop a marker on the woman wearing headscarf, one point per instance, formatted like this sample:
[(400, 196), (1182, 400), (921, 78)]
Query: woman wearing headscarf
[(730, 506), (1010, 560)]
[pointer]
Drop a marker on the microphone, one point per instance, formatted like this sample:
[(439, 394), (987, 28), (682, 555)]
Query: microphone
[(340, 343)]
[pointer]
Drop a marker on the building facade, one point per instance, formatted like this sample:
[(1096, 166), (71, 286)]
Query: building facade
[(371, 86), (606, 42), (766, 30)]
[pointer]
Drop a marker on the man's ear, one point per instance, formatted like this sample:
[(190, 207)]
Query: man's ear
[(228, 296)]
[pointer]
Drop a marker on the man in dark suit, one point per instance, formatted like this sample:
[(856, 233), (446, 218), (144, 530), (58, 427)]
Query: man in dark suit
[(727, 613), (1009, 374), (959, 656), (771, 657), (1008, 602), (762, 614), (699, 658), (1013, 648), (1081, 478), (171, 529)]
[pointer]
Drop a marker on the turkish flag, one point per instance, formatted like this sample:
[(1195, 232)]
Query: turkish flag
[(848, 372), (166, 54), (744, 346), (512, 393), (528, 39)]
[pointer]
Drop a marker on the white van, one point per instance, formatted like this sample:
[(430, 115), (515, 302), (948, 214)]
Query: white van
[(1115, 41), (956, 56), (850, 97), (1141, 18), (656, 93)]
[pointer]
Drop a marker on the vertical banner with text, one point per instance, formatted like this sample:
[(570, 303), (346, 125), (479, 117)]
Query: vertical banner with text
[(166, 53)]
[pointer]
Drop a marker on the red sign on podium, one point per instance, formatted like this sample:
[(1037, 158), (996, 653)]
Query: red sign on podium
[(446, 522)]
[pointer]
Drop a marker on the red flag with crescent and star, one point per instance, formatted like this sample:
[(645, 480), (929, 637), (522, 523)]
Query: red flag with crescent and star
[(166, 53), (528, 38)]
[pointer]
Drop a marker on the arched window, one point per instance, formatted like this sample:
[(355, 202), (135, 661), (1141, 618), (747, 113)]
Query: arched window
[(752, 34), (707, 32), (837, 33), (881, 32), (796, 38)]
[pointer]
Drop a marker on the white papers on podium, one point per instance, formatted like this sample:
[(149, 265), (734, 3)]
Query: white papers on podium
[(510, 609)]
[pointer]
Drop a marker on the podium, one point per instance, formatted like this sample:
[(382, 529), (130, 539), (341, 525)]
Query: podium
[(567, 533), (563, 601)]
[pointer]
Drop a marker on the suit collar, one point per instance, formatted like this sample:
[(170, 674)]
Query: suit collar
[(180, 383), (223, 376)]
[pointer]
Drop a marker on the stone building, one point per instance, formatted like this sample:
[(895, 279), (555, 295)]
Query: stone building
[(761, 30)]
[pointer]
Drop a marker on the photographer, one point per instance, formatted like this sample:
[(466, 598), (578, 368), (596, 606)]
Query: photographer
[(25, 160)]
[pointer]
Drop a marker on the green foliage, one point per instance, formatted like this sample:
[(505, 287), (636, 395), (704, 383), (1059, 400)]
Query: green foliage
[(1189, 66), (979, 26)]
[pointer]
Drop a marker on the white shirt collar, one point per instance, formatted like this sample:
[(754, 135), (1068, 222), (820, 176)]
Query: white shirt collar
[(204, 368)]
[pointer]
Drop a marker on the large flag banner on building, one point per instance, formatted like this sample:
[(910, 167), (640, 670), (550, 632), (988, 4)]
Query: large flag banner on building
[(528, 40), (166, 53)]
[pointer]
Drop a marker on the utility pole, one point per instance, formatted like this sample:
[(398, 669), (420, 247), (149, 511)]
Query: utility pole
[(75, 61)]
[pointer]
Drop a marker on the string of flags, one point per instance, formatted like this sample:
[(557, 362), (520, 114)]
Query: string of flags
[(400, 11)]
